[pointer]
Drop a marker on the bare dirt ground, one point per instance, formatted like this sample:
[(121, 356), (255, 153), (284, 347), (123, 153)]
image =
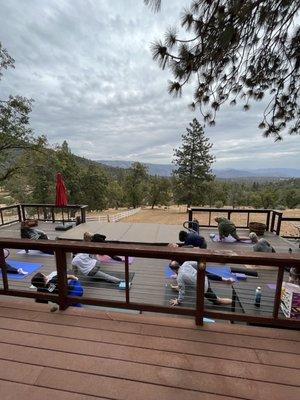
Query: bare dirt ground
[(175, 215)]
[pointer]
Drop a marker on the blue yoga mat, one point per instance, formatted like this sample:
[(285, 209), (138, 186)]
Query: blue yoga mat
[(26, 266), (168, 272), (224, 272)]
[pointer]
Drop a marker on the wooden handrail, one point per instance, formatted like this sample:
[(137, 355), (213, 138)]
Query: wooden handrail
[(158, 252)]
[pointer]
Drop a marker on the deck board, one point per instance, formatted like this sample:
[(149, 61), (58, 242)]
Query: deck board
[(94, 354)]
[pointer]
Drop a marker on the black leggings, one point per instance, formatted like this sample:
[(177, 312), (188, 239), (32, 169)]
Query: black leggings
[(211, 295), (10, 269)]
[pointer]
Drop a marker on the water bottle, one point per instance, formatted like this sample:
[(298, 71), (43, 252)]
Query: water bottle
[(257, 296)]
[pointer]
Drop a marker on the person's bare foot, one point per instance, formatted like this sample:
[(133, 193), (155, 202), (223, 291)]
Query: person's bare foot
[(223, 300)]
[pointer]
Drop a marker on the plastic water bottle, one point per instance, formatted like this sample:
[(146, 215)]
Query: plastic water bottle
[(257, 296)]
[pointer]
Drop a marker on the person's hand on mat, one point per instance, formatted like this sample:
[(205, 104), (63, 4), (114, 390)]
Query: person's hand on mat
[(174, 276), (174, 302), (173, 245), (228, 280)]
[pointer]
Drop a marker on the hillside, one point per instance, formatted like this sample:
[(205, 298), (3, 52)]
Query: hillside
[(166, 170)]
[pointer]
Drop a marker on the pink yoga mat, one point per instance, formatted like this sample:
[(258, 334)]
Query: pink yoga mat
[(108, 260)]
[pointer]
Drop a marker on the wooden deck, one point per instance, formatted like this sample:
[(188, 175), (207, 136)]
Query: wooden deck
[(86, 354)]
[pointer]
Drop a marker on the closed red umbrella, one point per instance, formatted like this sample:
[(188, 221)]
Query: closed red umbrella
[(61, 199)]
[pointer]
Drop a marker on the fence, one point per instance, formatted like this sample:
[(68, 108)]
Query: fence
[(118, 216), (42, 212), (154, 252)]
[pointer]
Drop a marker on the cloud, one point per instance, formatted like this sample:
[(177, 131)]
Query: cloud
[(89, 68)]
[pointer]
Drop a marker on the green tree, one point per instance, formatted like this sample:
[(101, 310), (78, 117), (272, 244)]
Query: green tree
[(193, 162), (237, 50), (15, 134), (115, 194), (268, 198), (292, 198), (94, 184), (136, 184), (158, 191)]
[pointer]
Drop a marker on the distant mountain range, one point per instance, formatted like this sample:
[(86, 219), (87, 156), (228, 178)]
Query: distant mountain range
[(166, 170)]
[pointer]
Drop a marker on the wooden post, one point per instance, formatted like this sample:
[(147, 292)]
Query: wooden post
[(3, 270), (190, 211), (248, 217), (62, 282), (2, 221), (278, 224), (82, 210), (272, 221), (19, 213), (200, 293), (23, 212), (127, 279), (278, 292), (268, 221)]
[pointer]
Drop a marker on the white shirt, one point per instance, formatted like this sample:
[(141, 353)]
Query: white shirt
[(84, 263)]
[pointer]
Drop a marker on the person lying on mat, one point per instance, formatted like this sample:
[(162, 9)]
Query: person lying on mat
[(190, 239), (226, 228), (87, 265), (10, 269), (186, 274), (98, 238), (49, 284), (261, 245), (28, 232)]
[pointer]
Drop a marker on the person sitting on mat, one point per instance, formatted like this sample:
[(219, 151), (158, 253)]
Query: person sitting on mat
[(98, 238), (10, 269), (186, 274), (226, 228), (261, 245), (29, 232), (49, 284)]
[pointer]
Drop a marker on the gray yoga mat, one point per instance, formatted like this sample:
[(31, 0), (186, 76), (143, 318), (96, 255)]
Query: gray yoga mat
[(94, 282)]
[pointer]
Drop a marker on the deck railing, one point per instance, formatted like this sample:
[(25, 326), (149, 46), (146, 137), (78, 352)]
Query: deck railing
[(10, 214), (228, 212), (61, 248), (42, 212), (272, 218)]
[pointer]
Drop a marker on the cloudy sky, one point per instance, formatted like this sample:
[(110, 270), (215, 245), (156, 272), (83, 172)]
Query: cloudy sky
[(88, 66)]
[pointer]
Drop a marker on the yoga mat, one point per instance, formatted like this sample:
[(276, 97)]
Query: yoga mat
[(229, 239), (272, 286), (168, 272), (35, 253), (26, 266), (92, 282), (107, 260), (223, 272)]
